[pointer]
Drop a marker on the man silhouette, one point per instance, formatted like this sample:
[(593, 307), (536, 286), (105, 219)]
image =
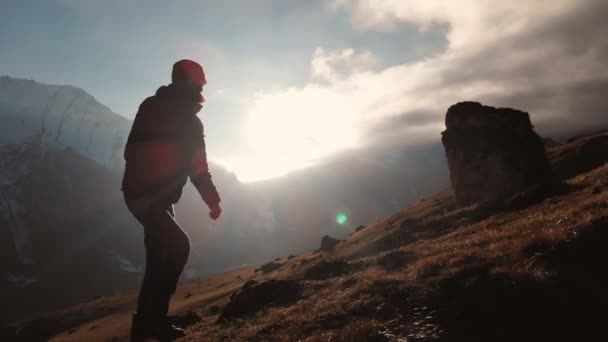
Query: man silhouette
[(166, 146)]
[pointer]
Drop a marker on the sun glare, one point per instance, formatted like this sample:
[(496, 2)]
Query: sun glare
[(289, 131)]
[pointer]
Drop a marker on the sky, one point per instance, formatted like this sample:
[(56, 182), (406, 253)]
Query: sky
[(292, 83)]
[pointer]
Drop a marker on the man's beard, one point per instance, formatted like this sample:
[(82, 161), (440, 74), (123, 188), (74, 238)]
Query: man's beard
[(200, 99), (193, 93)]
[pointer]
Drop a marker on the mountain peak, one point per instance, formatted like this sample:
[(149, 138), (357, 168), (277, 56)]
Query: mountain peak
[(62, 115)]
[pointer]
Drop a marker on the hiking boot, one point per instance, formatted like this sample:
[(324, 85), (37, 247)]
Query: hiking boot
[(160, 329)]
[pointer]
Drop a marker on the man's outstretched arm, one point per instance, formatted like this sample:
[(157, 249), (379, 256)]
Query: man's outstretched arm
[(201, 178)]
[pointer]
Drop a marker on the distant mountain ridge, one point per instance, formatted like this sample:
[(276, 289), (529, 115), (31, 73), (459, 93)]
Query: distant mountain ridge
[(65, 116), (61, 212)]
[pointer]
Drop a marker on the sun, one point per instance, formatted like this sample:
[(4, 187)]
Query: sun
[(288, 131)]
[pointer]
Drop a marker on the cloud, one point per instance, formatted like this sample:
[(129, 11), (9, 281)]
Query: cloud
[(335, 65), (474, 23), (545, 57), (501, 48)]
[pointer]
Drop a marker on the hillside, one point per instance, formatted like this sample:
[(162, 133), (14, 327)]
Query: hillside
[(527, 269)]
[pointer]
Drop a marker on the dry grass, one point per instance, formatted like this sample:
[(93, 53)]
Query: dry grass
[(509, 244), (479, 277)]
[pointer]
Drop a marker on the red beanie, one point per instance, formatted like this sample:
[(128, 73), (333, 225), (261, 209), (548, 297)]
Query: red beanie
[(188, 71)]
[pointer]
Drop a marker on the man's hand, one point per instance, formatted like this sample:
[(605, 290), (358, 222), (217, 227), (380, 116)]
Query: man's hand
[(215, 212)]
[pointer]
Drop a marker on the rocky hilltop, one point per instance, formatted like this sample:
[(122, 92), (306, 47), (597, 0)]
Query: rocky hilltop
[(492, 152)]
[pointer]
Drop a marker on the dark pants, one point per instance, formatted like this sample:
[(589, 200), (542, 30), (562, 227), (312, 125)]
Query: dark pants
[(167, 249)]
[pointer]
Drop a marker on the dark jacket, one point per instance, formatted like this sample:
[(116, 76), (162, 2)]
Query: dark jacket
[(166, 146)]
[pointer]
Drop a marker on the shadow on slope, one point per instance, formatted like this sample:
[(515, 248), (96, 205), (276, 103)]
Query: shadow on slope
[(559, 296)]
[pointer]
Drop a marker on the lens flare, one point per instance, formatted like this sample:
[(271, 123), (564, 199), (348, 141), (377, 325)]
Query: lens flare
[(341, 218)]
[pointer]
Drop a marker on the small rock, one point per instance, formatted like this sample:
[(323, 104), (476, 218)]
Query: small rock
[(185, 320), (328, 244), (270, 266), (254, 296), (360, 228)]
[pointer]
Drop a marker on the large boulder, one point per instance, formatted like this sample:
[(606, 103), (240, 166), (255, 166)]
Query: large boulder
[(492, 152)]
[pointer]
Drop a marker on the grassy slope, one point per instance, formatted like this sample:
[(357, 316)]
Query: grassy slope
[(533, 271)]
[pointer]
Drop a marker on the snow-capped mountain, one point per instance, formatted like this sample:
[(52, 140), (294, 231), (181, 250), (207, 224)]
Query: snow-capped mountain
[(60, 170), (40, 121), (64, 116)]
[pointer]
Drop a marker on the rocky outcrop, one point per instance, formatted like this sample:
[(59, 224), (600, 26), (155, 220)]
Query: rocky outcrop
[(492, 152)]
